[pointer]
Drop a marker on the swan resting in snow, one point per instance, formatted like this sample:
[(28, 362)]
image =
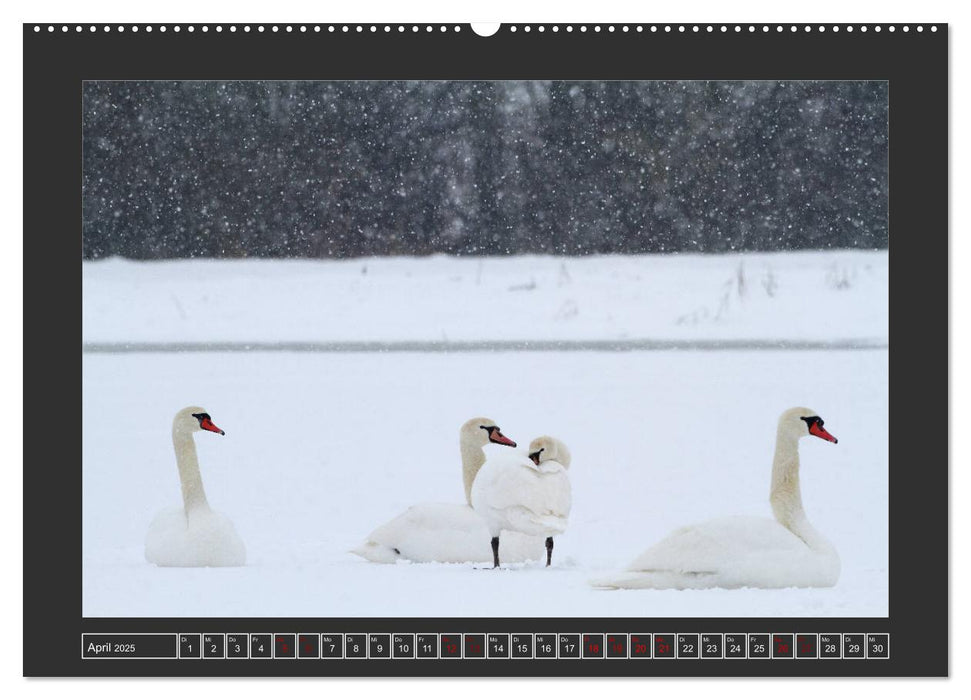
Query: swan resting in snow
[(448, 532), (529, 496), (193, 535), (736, 552)]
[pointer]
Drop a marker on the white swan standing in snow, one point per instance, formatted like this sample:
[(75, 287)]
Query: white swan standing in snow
[(529, 496), (447, 532), (736, 552), (193, 535)]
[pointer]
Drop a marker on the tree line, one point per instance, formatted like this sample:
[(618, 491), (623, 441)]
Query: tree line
[(359, 168)]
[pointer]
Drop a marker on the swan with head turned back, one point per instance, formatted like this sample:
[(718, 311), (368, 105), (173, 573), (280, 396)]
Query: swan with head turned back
[(737, 552), (193, 535), (529, 496), (447, 532)]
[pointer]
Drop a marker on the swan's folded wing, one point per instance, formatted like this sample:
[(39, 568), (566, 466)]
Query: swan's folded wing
[(543, 493), (558, 492), (528, 501), (551, 495), (718, 545)]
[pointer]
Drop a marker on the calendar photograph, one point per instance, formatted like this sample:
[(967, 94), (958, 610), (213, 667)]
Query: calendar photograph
[(485, 349)]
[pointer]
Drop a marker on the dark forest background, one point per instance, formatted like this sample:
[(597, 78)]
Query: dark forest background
[(343, 169)]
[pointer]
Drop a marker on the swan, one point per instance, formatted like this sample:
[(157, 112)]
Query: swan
[(447, 532), (736, 552), (193, 535), (530, 496)]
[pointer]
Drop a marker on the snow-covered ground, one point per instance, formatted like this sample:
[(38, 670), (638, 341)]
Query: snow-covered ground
[(837, 295), (322, 447)]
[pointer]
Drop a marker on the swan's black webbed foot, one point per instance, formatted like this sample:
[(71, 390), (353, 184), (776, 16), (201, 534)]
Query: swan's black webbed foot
[(495, 552), (549, 550)]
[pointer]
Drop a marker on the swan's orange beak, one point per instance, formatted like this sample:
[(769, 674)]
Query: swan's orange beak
[(207, 424), (498, 438), (814, 429)]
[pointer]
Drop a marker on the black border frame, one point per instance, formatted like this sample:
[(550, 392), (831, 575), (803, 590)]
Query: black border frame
[(915, 63)]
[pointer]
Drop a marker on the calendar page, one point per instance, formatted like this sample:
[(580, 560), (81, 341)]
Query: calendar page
[(560, 348)]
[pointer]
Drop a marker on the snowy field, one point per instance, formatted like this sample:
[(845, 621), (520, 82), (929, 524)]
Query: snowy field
[(827, 296), (322, 447)]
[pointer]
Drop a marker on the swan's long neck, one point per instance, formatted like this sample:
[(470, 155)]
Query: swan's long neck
[(473, 458), (786, 496), (193, 494)]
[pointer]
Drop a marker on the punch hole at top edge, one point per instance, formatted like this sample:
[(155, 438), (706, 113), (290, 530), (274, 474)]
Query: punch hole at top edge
[(485, 28)]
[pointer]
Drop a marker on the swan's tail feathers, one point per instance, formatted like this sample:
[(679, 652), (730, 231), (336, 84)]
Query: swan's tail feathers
[(376, 552), (540, 526), (553, 523), (526, 521)]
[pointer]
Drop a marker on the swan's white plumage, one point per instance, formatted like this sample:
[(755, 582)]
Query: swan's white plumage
[(205, 538), (441, 532), (729, 552), (193, 535), (744, 551), (514, 494), (445, 532)]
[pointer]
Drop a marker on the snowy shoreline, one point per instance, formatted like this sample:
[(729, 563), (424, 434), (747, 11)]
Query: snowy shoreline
[(776, 296)]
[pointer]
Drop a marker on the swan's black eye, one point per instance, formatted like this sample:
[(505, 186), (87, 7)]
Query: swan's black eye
[(810, 420), (201, 417)]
